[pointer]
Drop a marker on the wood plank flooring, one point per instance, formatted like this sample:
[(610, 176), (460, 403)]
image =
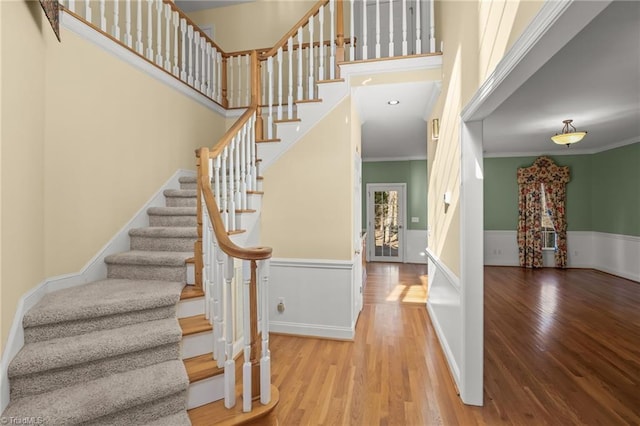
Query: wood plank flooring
[(561, 348)]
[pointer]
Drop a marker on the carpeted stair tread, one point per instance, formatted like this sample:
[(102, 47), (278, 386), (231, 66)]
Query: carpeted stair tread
[(102, 298), (186, 193), (75, 350), (177, 419), (187, 179), (101, 397), (149, 258), (165, 232), (172, 211)]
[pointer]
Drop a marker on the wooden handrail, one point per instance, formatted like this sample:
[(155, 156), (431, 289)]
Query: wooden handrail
[(285, 48), (312, 12), (194, 25)]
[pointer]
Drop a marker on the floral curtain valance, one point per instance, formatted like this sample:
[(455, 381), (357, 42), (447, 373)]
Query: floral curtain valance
[(544, 170)]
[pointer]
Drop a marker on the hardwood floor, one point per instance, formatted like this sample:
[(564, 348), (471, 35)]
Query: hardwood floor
[(561, 347)]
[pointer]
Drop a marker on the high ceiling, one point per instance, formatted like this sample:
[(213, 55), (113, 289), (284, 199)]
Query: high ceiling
[(196, 5)]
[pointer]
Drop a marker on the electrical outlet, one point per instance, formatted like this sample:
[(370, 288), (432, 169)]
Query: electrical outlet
[(280, 304)]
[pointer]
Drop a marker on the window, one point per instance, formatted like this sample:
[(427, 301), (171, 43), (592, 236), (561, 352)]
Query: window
[(548, 231)]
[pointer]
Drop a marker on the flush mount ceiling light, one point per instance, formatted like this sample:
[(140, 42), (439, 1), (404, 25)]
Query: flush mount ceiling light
[(568, 135), (394, 102)]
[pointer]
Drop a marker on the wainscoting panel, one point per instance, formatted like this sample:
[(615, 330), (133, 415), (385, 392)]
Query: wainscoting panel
[(444, 307), (317, 296), (611, 253), (415, 246)]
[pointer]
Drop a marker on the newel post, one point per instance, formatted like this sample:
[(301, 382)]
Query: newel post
[(256, 90), (339, 35)]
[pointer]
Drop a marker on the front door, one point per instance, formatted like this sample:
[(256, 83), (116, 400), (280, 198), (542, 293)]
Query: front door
[(385, 222)]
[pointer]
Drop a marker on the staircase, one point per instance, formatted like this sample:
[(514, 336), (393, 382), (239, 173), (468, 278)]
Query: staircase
[(131, 349)]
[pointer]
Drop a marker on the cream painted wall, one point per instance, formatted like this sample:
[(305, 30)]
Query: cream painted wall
[(476, 35), (308, 193), (24, 35), (268, 20), (86, 141)]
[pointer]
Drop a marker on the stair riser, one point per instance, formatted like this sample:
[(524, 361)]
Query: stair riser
[(188, 186), (162, 244), (181, 201), (197, 344), (58, 378), (148, 272), (205, 391), (160, 220), (191, 307), (74, 328), (145, 413)]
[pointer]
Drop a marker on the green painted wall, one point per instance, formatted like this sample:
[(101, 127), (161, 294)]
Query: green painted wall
[(603, 195), (615, 204), (413, 173)]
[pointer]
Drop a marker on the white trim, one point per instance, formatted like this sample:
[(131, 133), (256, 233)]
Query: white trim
[(94, 270), (347, 70), (90, 34), (571, 151), (312, 330), (451, 277), (312, 263), (617, 254), (383, 159), (415, 246), (370, 233), (448, 353)]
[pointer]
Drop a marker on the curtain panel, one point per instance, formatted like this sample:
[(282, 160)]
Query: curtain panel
[(542, 173)]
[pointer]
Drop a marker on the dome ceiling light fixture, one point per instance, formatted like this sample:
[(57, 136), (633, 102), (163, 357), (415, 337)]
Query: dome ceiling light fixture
[(568, 134), (394, 102)]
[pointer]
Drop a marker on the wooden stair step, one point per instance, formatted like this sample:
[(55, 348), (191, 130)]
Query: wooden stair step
[(236, 232), (307, 101), (335, 80), (245, 211), (267, 140), (256, 192), (194, 325), (191, 292), (288, 120), (202, 367), (215, 413)]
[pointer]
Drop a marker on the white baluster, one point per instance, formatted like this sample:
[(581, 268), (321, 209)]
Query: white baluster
[(206, 242), (219, 74), (290, 78), (87, 11), (216, 180), (229, 365), (209, 79), (139, 44), (183, 30), (116, 20), (159, 32), (71, 5), (214, 73), (247, 68), (332, 50), (279, 57), (150, 30), (252, 146), (103, 17), (364, 31), (237, 195), (225, 206), (300, 89), (391, 44), (404, 27), (418, 32), (352, 45), (246, 326), (432, 28), (219, 306), (265, 360), (377, 29), (196, 54), (321, 46), (311, 85), (263, 79), (128, 40), (230, 84), (239, 67), (203, 75), (176, 26), (242, 204), (167, 36), (190, 42), (232, 184), (270, 99)]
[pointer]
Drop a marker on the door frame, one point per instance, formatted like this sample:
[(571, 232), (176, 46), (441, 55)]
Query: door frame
[(402, 217)]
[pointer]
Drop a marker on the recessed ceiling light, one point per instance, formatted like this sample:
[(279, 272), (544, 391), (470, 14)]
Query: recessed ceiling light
[(394, 102)]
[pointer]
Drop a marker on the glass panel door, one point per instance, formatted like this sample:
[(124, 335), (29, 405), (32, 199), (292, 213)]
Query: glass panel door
[(385, 222)]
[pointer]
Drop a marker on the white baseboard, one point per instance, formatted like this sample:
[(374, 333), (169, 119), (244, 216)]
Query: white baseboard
[(317, 294), (445, 312), (94, 270), (612, 253)]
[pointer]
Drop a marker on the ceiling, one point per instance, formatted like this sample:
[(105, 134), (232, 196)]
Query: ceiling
[(594, 80), (196, 5)]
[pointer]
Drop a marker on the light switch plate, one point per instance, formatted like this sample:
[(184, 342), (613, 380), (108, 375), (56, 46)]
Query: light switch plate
[(415, 219)]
